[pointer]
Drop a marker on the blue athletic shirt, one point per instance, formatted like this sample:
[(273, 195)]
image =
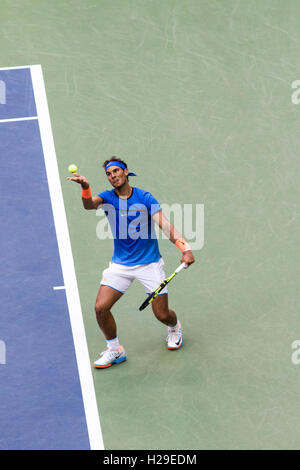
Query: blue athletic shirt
[(132, 227)]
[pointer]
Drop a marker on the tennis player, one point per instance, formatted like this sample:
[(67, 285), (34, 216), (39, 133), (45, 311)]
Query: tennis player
[(131, 212)]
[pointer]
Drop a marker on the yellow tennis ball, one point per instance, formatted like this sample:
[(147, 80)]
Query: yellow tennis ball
[(72, 168)]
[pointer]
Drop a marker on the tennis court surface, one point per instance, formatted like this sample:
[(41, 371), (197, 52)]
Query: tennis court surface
[(201, 99)]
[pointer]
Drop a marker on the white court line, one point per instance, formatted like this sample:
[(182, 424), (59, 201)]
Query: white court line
[(59, 287), (19, 119), (16, 68), (67, 262)]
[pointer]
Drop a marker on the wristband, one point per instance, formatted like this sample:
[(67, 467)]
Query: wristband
[(182, 245), (86, 193)]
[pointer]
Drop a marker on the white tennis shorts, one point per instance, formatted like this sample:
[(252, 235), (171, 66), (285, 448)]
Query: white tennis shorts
[(120, 277)]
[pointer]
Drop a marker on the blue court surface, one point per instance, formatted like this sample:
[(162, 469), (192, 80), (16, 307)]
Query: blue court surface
[(41, 397)]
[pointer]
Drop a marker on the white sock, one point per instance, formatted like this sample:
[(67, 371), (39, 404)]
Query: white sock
[(113, 344), (178, 325)]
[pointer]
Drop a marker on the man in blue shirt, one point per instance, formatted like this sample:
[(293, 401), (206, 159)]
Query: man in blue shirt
[(132, 213)]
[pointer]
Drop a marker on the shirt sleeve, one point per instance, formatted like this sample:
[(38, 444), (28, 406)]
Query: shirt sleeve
[(104, 196), (152, 204)]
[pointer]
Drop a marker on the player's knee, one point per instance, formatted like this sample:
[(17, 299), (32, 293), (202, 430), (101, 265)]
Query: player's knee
[(101, 310)]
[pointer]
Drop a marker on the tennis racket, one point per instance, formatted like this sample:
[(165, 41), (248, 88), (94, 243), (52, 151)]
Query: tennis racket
[(155, 293)]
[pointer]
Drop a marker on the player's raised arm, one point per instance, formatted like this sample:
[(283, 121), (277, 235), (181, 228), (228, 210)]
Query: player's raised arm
[(89, 202), (175, 237)]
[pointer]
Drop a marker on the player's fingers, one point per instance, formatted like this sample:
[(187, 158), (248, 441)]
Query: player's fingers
[(77, 180), (187, 259)]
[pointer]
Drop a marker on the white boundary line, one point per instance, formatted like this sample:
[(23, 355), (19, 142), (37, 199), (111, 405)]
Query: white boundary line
[(16, 68), (67, 262), (19, 119)]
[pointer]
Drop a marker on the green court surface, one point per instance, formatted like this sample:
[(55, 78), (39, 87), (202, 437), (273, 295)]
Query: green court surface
[(196, 96)]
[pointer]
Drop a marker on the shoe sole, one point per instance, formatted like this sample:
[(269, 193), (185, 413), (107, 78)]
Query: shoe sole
[(117, 361), (175, 349)]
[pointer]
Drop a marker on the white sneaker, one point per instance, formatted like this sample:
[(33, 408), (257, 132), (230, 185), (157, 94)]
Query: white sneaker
[(109, 357), (174, 338)]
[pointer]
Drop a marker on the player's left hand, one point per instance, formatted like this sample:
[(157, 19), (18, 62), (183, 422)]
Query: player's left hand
[(187, 257)]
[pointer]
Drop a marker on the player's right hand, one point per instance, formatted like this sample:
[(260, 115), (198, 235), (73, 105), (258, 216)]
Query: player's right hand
[(187, 257), (80, 179)]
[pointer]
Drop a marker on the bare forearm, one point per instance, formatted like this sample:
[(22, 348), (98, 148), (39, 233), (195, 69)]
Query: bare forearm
[(88, 201), (170, 231), (86, 194), (91, 203), (175, 237)]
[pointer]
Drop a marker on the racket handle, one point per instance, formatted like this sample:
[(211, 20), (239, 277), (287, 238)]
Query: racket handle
[(183, 265)]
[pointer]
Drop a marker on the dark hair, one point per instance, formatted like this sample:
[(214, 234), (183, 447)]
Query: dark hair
[(115, 159)]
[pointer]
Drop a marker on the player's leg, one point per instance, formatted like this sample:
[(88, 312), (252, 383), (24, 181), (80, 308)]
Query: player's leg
[(162, 312), (150, 276), (168, 317), (106, 298), (115, 353)]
